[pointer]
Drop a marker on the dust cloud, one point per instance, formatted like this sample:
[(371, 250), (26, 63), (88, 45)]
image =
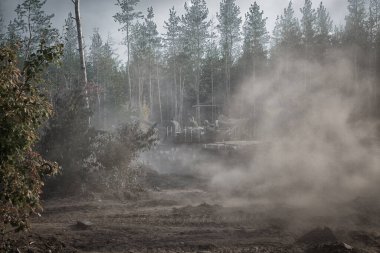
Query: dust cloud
[(320, 150)]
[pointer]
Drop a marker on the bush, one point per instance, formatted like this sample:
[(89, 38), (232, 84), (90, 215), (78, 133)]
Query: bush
[(66, 139), (91, 160), (23, 108), (111, 165)]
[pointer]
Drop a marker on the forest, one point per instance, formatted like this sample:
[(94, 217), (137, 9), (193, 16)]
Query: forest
[(197, 60), (79, 123)]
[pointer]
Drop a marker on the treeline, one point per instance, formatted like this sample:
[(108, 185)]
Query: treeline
[(196, 61)]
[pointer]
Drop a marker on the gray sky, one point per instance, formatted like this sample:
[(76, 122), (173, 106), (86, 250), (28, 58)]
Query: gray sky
[(98, 13)]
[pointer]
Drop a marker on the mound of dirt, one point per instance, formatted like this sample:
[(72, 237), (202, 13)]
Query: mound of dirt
[(332, 248), (158, 181), (202, 209), (323, 240), (318, 236)]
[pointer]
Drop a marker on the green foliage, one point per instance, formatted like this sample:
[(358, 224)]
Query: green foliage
[(23, 108), (65, 137)]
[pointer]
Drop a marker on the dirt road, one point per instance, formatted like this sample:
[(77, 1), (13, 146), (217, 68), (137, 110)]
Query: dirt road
[(188, 219)]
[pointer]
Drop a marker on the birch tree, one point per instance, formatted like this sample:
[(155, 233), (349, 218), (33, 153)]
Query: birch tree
[(83, 79)]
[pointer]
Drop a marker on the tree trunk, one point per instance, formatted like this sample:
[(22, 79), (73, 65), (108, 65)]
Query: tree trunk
[(128, 67), (176, 107), (198, 85), (182, 98), (181, 88), (150, 87), (139, 88), (212, 94), (81, 55), (159, 93)]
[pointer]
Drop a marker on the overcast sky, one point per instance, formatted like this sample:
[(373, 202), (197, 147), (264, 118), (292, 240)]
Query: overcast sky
[(98, 13)]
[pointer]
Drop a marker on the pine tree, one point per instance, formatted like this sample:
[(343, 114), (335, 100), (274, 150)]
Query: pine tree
[(195, 29), (308, 23), (140, 50), (291, 33), (70, 60), (229, 28), (308, 36), (374, 49), (356, 33), (286, 35), (2, 34), (32, 25), (126, 17), (256, 38), (113, 76), (374, 28), (323, 29), (96, 55), (374, 21), (70, 40), (212, 79), (172, 49), (276, 38), (337, 36), (355, 30), (153, 47)]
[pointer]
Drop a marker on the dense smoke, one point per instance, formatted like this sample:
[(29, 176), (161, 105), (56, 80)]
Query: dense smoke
[(315, 136)]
